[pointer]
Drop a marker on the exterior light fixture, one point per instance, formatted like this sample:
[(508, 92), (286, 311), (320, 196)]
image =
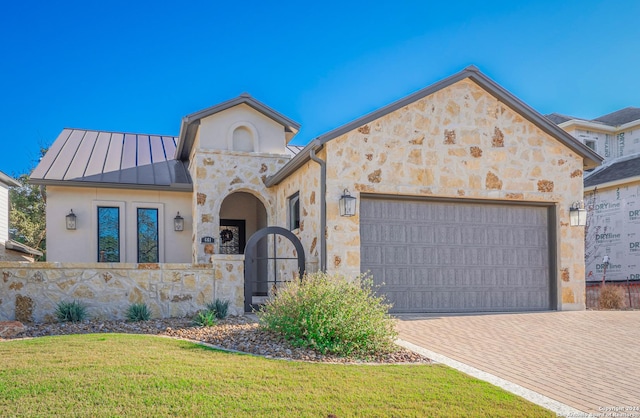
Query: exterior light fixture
[(71, 220), (347, 204), (178, 223), (577, 214)]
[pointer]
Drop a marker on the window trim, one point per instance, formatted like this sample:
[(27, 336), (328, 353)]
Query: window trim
[(293, 211)]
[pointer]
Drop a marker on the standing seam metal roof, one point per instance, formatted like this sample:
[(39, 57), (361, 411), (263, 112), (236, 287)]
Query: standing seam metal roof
[(112, 159)]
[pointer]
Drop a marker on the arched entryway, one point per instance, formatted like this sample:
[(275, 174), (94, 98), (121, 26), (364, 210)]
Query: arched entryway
[(285, 261), (241, 215)]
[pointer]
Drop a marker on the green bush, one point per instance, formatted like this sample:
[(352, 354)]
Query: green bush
[(71, 312), (332, 315), (220, 307), (205, 318), (138, 312)]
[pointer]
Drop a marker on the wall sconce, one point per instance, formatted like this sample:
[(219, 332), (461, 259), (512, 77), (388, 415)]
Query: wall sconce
[(178, 223), (71, 220), (347, 204), (577, 214)]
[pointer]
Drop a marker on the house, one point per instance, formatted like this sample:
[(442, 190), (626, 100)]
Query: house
[(462, 196), (611, 193), (11, 250)]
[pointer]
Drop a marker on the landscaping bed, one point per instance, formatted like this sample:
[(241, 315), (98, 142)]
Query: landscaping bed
[(240, 333)]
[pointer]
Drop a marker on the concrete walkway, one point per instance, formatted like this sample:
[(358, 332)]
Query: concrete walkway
[(588, 360)]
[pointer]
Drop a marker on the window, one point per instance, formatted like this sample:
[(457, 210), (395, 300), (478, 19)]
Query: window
[(147, 232), (294, 211), (590, 143), (108, 234)]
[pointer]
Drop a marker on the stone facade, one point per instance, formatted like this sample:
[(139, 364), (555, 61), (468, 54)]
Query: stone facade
[(30, 292), (460, 142), (218, 174)]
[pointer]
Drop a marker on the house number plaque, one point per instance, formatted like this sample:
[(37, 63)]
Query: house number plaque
[(206, 240)]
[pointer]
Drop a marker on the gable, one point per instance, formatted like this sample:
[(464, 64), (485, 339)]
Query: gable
[(241, 128), (590, 158)]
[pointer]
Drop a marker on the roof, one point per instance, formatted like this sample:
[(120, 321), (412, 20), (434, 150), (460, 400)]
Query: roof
[(591, 158), (81, 157), (22, 248), (620, 117), (619, 170), (191, 122), (558, 118), (9, 181)]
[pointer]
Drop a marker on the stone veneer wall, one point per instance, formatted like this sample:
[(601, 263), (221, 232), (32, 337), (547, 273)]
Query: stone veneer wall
[(218, 174), (460, 142), (30, 291)]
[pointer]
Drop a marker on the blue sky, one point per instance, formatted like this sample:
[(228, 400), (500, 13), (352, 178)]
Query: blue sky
[(139, 66)]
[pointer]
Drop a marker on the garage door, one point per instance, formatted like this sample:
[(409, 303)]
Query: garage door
[(437, 256)]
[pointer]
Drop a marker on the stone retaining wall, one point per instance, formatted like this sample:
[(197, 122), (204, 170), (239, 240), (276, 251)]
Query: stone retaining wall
[(30, 292)]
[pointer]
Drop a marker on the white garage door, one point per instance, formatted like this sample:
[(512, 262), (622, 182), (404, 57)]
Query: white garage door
[(436, 256)]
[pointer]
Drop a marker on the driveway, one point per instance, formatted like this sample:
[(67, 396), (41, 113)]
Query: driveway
[(588, 360)]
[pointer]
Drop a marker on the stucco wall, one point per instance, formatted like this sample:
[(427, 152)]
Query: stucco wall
[(215, 131), (81, 245), (31, 291), (4, 213)]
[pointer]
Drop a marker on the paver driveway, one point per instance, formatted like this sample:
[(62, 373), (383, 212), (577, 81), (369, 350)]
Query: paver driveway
[(589, 360)]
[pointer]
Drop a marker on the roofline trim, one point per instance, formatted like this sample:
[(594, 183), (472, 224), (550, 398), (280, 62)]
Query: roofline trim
[(592, 159), (174, 187), (587, 124), (612, 183), (8, 180)]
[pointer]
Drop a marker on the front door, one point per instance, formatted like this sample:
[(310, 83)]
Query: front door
[(232, 236)]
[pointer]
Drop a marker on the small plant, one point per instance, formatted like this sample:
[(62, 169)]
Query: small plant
[(220, 307), (331, 314), (138, 312), (71, 312), (205, 318), (611, 297)]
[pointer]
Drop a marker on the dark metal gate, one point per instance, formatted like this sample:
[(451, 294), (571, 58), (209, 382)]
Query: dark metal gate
[(261, 278)]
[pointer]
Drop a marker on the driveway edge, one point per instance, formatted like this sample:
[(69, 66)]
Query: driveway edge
[(559, 408)]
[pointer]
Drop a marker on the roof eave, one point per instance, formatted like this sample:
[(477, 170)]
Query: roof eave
[(174, 187), (294, 164), (9, 181)]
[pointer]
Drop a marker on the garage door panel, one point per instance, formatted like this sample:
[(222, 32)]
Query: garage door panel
[(457, 257)]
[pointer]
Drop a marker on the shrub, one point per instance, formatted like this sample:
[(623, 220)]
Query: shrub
[(611, 297), (138, 312), (71, 312), (205, 318), (220, 307), (332, 315)]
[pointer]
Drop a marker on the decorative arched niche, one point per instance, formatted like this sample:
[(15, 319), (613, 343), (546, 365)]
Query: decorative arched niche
[(243, 136)]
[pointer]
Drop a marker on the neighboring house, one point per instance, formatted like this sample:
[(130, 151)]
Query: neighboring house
[(463, 195), (611, 193), (10, 250)]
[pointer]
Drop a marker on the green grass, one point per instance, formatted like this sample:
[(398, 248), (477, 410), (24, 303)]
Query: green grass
[(138, 375)]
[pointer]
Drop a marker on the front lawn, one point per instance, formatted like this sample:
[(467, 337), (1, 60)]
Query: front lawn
[(140, 375)]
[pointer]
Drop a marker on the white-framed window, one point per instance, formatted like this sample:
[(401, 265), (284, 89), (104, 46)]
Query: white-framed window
[(591, 143), (294, 211)]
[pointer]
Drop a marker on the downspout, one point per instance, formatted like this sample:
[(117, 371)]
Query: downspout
[(323, 208)]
